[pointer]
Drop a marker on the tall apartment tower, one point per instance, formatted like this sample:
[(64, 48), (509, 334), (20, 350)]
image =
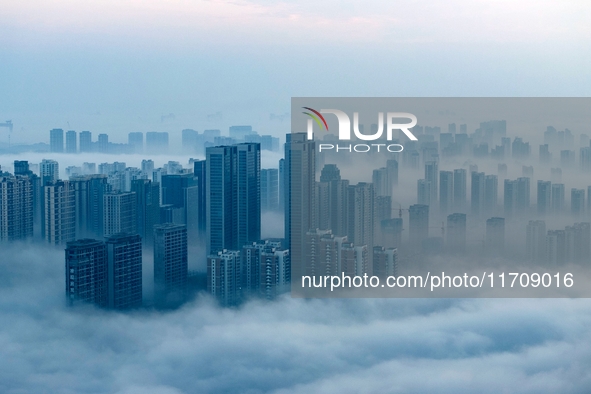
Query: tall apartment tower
[(459, 190), (224, 276), (200, 174), (491, 193), (49, 171), (86, 272), (477, 193), (270, 189), (71, 143), (170, 264), (577, 201), (535, 243), (124, 271), (56, 141), (544, 197), (361, 216), (446, 179), (147, 195), (120, 213), (431, 175), (85, 141), (557, 203), (300, 167), (89, 191), (181, 191), (16, 208), (456, 233), (392, 168), (381, 182), (136, 141), (59, 213), (234, 200), (418, 225), (495, 235)]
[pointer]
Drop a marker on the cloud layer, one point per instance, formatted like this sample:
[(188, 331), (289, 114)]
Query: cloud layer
[(287, 346)]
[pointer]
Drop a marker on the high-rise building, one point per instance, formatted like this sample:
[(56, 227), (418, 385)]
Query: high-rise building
[(431, 175), (170, 264), (71, 143), (577, 243), (16, 208), (392, 168), (544, 197), (49, 170), (190, 140), (423, 192), (282, 177), (381, 182), (269, 189), (120, 213), (332, 200), (391, 233), (103, 143), (456, 232), (491, 193), (86, 272), (300, 167), (477, 193), (136, 141), (59, 212), (200, 173), (147, 195), (385, 261), (89, 191), (224, 276), (234, 200), (156, 142), (556, 247), (361, 215), (495, 235), (536, 241), (577, 201), (124, 271), (85, 141), (446, 180), (181, 192), (557, 199), (523, 195), (418, 225), (56, 141), (459, 189)]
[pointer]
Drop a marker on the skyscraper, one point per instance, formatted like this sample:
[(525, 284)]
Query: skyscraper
[(86, 272), (136, 141), (269, 189), (59, 211), (557, 199), (300, 200), (431, 175), (535, 244), (49, 170), (124, 271), (523, 195), (477, 193), (381, 182), (120, 213), (147, 195), (361, 215), (423, 192), (170, 264), (89, 191), (71, 143), (16, 208), (234, 200), (491, 193), (103, 143), (85, 141), (577, 201), (56, 141), (181, 191), (445, 191), (224, 276), (200, 173), (459, 190), (418, 225), (456, 232), (544, 197), (385, 261), (392, 168)]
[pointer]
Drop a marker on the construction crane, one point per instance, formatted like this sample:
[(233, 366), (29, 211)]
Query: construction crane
[(8, 124)]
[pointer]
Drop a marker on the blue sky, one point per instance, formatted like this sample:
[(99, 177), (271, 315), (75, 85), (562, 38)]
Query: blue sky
[(118, 66)]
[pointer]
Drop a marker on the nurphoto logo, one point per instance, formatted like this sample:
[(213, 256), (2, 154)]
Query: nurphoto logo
[(345, 130)]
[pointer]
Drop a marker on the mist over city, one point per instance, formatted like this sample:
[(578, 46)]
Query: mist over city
[(169, 225)]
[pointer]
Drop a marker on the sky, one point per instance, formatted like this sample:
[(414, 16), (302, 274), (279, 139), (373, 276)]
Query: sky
[(120, 66)]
